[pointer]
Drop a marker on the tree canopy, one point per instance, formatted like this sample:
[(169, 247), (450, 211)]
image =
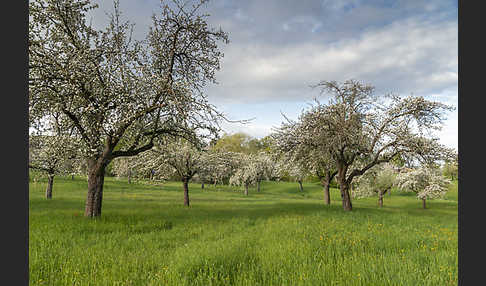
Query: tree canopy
[(376, 182), (118, 92), (426, 182), (358, 129)]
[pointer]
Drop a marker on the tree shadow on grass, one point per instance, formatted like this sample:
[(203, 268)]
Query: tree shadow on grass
[(179, 215), (204, 213), (444, 210), (169, 210), (234, 207), (151, 218)]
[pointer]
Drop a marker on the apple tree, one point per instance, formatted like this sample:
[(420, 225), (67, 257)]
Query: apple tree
[(121, 93), (426, 182)]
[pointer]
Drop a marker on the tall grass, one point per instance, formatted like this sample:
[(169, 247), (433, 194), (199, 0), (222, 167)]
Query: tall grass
[(281, 236)]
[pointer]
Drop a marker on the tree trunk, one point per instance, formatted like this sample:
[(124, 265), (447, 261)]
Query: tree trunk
[(96, 178), (423, 203), (301, 188), (246, 190), (129, 176), (185, 182), (381, 195), (50, 182), (327, 197), (344, 186), (258, 186), (72, 177), (326, 183), (202, 185), (347, 205)]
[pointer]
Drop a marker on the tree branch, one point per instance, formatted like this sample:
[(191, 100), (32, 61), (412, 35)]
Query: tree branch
[(128, 153), (76, 122)]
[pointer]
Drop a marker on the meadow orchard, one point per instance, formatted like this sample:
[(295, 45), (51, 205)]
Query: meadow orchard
[(118, 93), (358, 130), (118, 96), (276, 237), (103, 104)]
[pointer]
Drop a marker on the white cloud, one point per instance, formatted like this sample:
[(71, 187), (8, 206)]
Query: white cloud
[(279, 48), (405, 57), (449, 133)]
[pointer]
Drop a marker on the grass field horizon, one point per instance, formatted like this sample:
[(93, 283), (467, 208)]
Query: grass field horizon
[(280, 236)]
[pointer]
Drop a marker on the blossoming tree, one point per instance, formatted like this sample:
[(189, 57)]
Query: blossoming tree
[(296, 171), (298, 143), (127, 167), (426, 182), (360, 130), (450, 169), (121, 93), (376, 182), (175, 157), (52, 155), (218, 166), (253, 169), (245, 175)]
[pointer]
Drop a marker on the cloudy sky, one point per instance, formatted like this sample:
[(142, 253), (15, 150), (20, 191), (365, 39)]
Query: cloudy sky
[(278, 48)]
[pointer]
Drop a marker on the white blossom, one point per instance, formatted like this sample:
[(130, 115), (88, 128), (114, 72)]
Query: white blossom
[(426, 182), (119, 93), (376, 181)]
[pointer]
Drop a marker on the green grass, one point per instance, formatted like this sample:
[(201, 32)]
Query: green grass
[(280, 236)]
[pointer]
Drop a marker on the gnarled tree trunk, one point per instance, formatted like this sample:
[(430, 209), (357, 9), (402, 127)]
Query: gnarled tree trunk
[(95, 194), (246, 190), (96, 178), (185, 182), (258, 186), (50, 182), (300, 184), (202, 185), (423, 203), (344, 188), (347, 205)]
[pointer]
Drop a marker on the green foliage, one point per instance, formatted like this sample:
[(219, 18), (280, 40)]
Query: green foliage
[(241, 143), (450, 170), (237, 142), (109, 172), (398, 160), (280, 236)]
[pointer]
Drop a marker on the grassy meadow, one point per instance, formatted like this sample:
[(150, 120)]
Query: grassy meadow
[(280, 236)]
